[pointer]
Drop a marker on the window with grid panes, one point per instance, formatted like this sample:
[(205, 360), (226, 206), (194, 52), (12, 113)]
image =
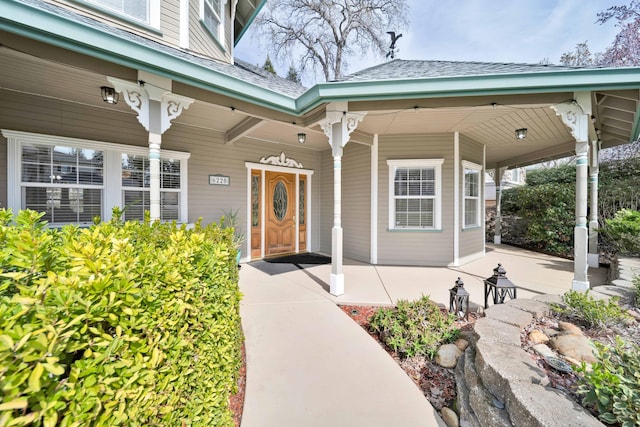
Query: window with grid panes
[(135, 187), (74, 181), (135, 9), (414, 193), (472, 183), (212, 17)]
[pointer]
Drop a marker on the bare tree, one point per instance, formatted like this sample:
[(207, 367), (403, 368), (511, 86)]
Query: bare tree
[(324, 33)]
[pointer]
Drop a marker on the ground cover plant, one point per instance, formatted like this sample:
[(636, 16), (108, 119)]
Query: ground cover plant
[(130, 323), (414, 328), (610, 387)]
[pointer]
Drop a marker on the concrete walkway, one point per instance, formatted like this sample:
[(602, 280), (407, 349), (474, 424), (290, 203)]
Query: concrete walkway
[(309, 364)]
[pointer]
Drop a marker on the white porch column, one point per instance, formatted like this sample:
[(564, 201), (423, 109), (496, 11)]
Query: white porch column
[(594, 252), (577, 116), (499, 174), (338, 126), (156, 106)]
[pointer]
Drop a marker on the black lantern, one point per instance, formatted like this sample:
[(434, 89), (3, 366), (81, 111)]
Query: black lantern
[(499, 287), (459, 300)]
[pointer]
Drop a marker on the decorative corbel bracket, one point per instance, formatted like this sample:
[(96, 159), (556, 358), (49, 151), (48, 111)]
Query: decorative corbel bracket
[(138, 97), (348, 123), (573, 116)]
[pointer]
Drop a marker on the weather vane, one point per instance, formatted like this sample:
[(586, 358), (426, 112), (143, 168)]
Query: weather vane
[(392, 48)]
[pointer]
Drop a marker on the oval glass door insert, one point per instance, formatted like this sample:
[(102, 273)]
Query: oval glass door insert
[(280, 200)]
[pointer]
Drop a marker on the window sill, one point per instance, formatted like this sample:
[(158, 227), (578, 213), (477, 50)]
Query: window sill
[(415, 230), (472, 228)]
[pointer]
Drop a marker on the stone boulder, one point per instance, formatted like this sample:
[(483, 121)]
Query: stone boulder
[(574, 346), (448, 355)]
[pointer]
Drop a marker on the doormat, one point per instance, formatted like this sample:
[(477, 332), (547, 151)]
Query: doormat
[(306, 258), (287, 263)]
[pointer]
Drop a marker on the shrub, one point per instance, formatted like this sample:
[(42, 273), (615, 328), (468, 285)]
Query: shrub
[(590, 312), (623, 231), (563, 174), (612, 385), (548, 212), (118, 324), (636, 284), (414, 328)]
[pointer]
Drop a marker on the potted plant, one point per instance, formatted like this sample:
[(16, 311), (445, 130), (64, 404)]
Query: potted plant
[(230, 220)]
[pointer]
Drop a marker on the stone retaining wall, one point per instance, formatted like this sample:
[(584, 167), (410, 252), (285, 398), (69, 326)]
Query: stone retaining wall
[(498, 382)]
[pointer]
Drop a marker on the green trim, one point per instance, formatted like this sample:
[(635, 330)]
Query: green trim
[(635, 131), (249, 21), (414, 230), (477, 85), (474, 228)]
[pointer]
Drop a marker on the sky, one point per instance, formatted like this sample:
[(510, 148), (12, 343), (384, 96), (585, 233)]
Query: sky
[(517, 31)]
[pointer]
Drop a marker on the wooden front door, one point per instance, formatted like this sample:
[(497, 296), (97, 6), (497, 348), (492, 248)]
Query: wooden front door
[(280, 227)]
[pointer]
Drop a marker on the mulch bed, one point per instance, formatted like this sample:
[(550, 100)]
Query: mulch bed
[(438, 384), (236, 401)]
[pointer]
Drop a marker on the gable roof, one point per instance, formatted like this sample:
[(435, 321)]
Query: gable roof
[(417, 69)]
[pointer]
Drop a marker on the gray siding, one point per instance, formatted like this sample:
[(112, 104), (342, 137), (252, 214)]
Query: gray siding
[(415, 247), (209, 153), (356, 201), (170, 21), (201, 40), (471, 240)]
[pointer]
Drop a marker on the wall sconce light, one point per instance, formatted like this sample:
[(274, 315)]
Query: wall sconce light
[(302, 138), (109, 95), (521, 133)]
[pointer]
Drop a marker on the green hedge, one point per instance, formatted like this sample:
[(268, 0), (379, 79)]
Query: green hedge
[(545, 208), (132, 324)]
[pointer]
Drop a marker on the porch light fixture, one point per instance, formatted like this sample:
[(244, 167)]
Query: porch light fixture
[(109, 95), (521, 133), (302, 138), (459, 300)]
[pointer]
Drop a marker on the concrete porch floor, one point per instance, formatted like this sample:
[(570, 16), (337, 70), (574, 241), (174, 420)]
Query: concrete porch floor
[(309, 364)]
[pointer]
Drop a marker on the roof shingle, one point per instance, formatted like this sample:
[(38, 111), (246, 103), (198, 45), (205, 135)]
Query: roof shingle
[(416, 69)]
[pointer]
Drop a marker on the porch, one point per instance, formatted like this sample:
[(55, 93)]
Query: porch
[(534, 274), (308, 364)]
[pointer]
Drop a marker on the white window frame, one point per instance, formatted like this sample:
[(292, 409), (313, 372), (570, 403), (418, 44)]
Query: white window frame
[(112, 194), (436, 164), (477, 169), (220, 14), (153, 12)]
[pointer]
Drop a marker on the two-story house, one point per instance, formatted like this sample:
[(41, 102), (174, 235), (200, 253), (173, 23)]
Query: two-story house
[(141, 104)]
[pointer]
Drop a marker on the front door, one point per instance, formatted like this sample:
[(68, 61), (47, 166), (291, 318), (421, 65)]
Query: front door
[(280, 227)]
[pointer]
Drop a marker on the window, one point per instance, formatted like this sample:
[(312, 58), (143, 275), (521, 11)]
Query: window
[(471, 207), (74, 181), (135, 187), (141, 11), (415, 194), (212, 15), (63, 181)]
